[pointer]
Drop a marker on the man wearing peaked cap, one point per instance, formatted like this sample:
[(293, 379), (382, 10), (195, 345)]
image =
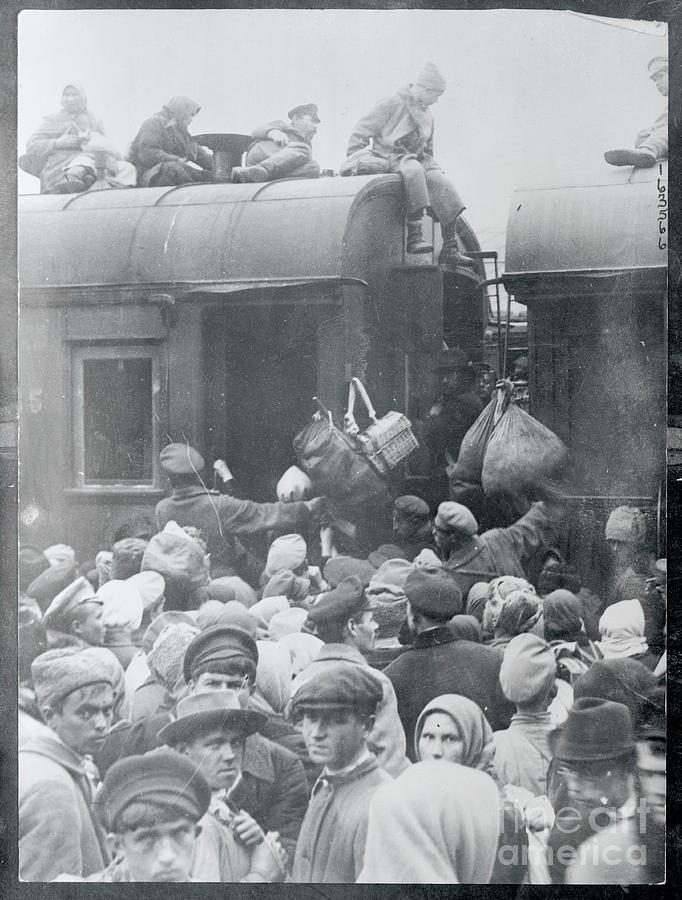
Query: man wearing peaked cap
[(221, 518), (77, 611), (45, 587), (272, 788), (344, 619), (400, 129), (522, 751), (282, 149), (438, 662), (57, 829), (337, 709)]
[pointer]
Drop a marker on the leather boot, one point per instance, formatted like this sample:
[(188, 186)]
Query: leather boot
[(640, 159), (450, 253), (256, 174), (415, 238)]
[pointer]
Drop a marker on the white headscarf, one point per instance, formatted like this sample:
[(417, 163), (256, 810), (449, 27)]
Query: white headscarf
[(622, 630)]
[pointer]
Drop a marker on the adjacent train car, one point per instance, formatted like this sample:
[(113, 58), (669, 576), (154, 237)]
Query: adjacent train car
[(214, 313), (588, 257)]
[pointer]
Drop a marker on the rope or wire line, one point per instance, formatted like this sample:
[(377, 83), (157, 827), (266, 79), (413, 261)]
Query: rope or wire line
[(599, 21)]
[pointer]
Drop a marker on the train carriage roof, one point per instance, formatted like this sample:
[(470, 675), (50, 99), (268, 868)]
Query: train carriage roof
[(202, 237), (589, 224)]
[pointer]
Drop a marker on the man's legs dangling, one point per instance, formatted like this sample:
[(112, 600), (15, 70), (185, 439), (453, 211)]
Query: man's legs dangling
[(417, 200), (447, 206)]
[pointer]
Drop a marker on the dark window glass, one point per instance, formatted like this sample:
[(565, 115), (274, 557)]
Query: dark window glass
[(117, 420)]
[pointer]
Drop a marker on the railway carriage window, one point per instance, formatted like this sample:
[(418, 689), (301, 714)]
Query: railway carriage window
[(115, 414)]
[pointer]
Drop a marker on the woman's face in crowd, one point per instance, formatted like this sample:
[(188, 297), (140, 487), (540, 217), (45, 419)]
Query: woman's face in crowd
[(441, 739)]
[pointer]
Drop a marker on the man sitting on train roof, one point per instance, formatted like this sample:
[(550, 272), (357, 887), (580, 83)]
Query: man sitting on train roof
[(400, 129), (651, 144), (163, 151), (221, 517), (282, 149), (61, 151)]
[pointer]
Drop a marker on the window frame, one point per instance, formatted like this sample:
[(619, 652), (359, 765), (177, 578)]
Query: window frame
[(116, 351)]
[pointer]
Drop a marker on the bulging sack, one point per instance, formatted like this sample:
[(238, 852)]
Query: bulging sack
[(469, 463), (522, 454)]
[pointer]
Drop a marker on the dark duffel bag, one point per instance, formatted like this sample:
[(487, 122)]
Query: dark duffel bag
[(335, 466)]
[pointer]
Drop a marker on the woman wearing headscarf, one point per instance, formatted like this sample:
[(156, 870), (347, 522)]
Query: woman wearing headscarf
[(565, 632), (163, 151), (454, 729), (622, 633), (437, 823), (60, 151), (520, 613)]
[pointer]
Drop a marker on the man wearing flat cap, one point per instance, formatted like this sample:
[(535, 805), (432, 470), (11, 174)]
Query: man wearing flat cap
[(337, 710), (439, 663), (470, 557), (651, 144), (272, 787), (77, 611), (400, 131), (344, 619), (220, 517), (57, 829), (412, 525), (282, 149)]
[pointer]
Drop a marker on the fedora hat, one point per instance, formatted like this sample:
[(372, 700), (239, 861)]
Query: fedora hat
[(210, 710), (595, 730)]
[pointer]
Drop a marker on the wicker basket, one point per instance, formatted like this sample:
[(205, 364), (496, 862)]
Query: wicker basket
[(388, 440)]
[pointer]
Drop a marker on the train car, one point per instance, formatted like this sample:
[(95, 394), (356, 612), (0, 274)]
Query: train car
[(588, 257), (214, 313)]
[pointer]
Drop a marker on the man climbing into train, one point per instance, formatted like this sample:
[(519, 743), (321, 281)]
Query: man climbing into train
[(651, 144), (400, 130), (282, 149)]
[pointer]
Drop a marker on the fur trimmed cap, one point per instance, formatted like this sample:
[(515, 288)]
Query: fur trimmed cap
[(60, 672), (430, 77)]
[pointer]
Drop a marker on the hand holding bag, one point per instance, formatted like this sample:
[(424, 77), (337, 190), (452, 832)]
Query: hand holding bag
[(388, 440)]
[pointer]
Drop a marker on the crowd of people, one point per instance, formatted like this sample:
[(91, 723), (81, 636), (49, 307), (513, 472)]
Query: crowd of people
[(453, 707)]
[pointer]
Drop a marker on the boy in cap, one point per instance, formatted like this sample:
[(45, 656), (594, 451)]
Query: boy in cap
[(400, 129), (282, 149), (651, 144), (210, 729), (57, 829), (155, 807), (344, 619), (77, 612), (412, 526), (522, 751), (337, 709), (220, 517), (272, 788), (438, 663)]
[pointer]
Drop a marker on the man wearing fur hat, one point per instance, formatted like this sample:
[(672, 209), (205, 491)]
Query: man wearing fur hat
[(57, 830), (626, 538), (400, 130)]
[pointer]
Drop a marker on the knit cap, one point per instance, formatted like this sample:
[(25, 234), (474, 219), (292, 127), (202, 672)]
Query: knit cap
[(286, 552), (627, 524), (528, 668), (430, 77)]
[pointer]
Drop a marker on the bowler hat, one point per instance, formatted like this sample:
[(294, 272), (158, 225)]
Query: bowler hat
[(596, 730), (305, 109), (209, 710)]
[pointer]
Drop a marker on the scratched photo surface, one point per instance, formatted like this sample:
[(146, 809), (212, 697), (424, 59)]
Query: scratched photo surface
[(214, 312)]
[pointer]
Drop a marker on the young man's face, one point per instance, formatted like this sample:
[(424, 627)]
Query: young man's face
[(425, 96), (660, 79), (163, 852), (89, 626), (85, 717), (217, 681), (334, 737), (364, 631), (306, 125), (218, 755)]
